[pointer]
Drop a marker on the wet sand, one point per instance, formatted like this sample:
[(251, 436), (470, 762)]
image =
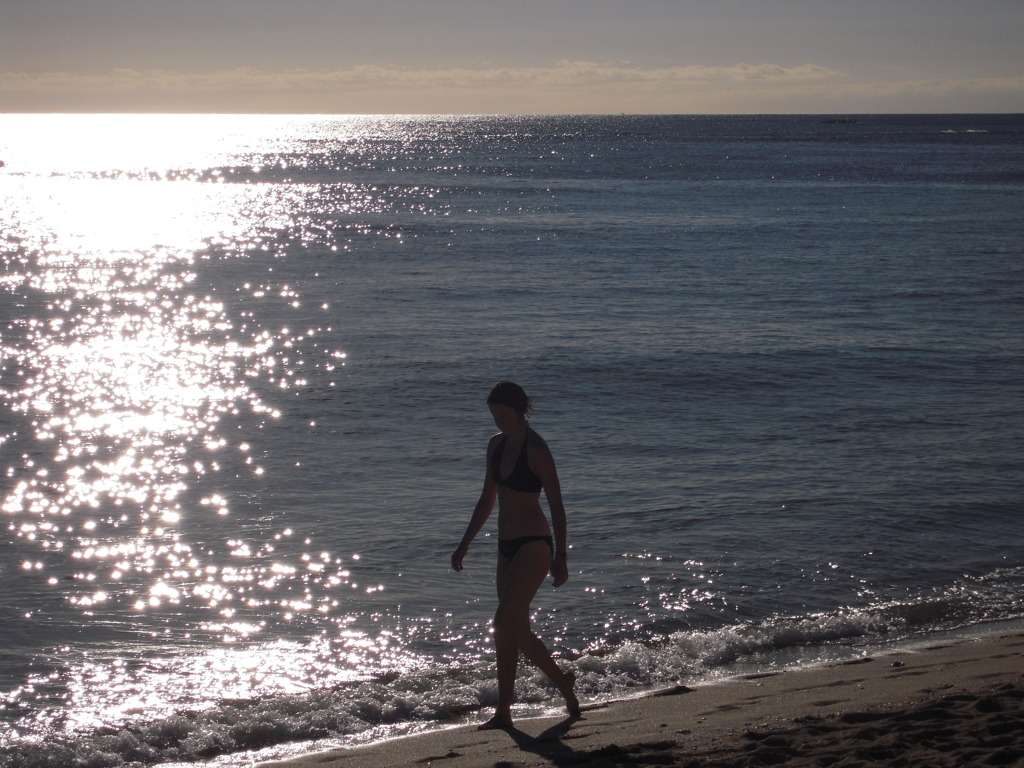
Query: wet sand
[(954, 704)]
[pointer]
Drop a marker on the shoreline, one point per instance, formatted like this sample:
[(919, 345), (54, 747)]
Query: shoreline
[(958, 702)]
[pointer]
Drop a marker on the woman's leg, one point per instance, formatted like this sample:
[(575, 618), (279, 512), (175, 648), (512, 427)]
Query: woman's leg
[(518, 582)]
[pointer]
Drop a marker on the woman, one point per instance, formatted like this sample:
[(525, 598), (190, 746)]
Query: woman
[(519, 466)]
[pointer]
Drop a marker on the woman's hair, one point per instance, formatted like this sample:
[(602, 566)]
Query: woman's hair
[(511, 394)]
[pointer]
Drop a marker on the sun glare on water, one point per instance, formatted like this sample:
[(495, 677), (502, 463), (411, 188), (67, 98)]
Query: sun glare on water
[(120, 371), (125, 372)]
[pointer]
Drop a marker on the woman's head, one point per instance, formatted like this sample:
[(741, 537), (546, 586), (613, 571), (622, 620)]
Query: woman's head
[(510, 394)]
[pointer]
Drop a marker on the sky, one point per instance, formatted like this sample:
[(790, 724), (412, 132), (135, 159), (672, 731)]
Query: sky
[(512, 56)]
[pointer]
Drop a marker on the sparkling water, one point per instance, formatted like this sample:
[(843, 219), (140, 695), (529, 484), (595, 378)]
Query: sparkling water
[(242, 424)]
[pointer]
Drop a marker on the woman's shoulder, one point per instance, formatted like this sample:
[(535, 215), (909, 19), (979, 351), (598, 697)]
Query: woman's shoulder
[(534, 440)]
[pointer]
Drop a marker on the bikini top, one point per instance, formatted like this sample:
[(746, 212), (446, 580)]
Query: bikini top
[(521, 478)]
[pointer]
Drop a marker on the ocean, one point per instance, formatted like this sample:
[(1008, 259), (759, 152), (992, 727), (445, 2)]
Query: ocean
[(243, 365)]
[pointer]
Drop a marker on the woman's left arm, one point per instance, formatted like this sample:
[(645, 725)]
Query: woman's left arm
[(553, 492)]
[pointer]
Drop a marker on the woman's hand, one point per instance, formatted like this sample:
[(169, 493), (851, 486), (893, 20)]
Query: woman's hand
[(559, 570), (457, 557)]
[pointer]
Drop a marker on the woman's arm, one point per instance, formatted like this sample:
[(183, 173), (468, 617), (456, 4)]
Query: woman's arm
[(553, 492), (481, 512)]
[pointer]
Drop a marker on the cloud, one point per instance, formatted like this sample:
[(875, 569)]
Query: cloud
[(956, 94), (566, 86), (563, 74), (978, 85)]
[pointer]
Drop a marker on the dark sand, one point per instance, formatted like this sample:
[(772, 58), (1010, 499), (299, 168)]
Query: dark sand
[(956, 704)]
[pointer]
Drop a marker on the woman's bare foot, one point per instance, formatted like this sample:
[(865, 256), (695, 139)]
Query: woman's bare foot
[(496, 723), (568, 690)]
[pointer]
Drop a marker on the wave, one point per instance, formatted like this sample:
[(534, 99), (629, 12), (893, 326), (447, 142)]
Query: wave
[(393, 703)]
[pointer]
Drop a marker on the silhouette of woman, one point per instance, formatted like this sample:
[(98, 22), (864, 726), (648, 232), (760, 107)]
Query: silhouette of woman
[(519, 466)]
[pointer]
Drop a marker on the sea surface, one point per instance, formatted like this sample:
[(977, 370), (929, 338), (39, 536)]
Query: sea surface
[(243, 362)]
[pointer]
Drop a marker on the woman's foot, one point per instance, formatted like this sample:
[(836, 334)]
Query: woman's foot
[(496, 723), (568, 690)]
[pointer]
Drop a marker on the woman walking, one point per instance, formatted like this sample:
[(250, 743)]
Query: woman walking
[(519, 467)]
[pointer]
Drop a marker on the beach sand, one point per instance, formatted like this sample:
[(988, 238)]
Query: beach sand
[(958, 703)]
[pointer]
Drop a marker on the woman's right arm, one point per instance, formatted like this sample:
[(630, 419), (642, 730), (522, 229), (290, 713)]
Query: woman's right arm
[(481, 512)]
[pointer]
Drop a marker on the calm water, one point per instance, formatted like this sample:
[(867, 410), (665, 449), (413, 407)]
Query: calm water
[(778, 360)]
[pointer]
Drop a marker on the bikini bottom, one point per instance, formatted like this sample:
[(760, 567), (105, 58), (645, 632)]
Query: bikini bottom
[(507, 548)]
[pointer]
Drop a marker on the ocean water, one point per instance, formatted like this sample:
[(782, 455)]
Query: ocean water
[(243, 363)]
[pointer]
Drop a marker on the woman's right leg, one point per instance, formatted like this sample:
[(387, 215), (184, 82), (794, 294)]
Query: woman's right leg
[(506, 654)]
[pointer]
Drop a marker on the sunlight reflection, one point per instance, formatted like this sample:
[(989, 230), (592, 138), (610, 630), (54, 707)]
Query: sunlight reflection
[(112, 692), (129, 144), (121, 372)]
